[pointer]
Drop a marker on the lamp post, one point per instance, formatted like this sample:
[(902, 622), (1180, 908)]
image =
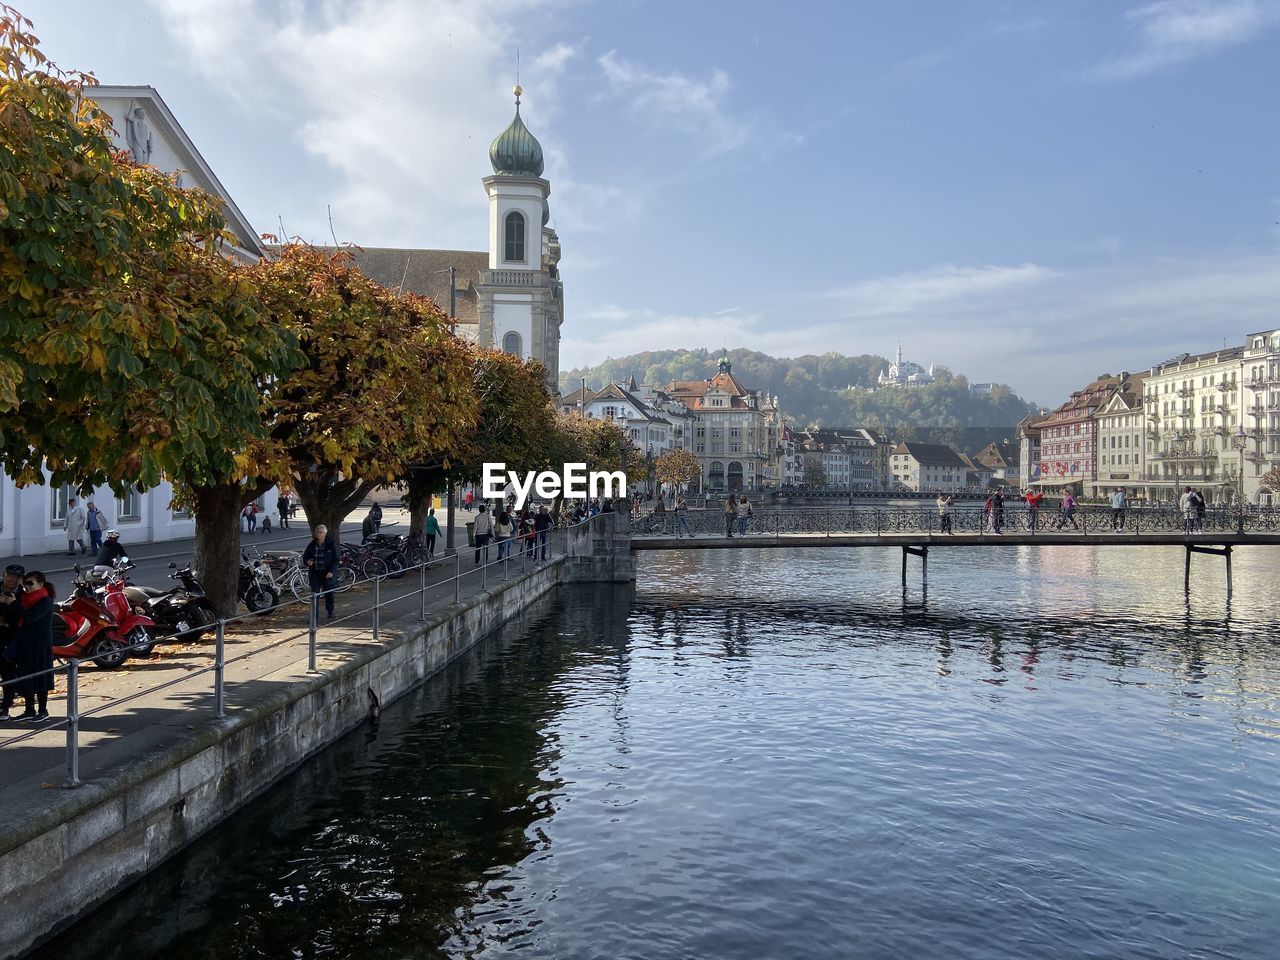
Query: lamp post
[(1240, 440)]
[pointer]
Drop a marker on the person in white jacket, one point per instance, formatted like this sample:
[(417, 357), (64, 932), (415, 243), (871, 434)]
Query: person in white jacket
[(77, 519)]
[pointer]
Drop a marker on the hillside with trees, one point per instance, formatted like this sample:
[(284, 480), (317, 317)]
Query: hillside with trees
[(833, 390)]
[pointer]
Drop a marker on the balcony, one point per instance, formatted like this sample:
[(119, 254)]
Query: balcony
[(1257, 410), (1257, 383), (1185, 392), (514, 278)]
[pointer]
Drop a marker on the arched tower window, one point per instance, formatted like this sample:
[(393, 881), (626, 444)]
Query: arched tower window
[(511, 342), (514, 237)]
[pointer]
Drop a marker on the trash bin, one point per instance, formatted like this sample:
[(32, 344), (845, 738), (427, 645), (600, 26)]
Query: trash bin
[(471, 533)]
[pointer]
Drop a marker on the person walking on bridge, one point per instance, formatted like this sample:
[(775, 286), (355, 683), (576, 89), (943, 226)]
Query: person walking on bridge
[(1068, 512), (682, 517), (1033, 498), (944, 513), (730, 512), (1119, 503)]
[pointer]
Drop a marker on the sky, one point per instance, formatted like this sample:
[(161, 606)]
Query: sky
[(1031, 193)]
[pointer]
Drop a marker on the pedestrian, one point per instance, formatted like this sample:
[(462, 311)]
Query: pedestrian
[(1194, 510), (1068, 512), (730, 513), (433, 531), (282, 505), (483, 532), (504, 529), (606, 506), (367, 528), (1187, 507), (744, 514), (266, 522), (31, 613), (375, 512), (76, 521), (997, 511), (944, 513), (1033, 499), (525, 532), (988, 512), (542, 525), (468, 499), (1119, 503), (96, 524), (594, 508), (10, 590), (321, 559), (250, 514), (682, 516)]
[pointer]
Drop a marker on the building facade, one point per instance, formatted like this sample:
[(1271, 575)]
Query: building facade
[(1193, 410), (1259, 454), (1028, 437), (1068, 437), (1121, 449), (926, 467)]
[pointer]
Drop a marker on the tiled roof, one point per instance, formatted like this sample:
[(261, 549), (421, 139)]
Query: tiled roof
[(426, 272), (932, 454)]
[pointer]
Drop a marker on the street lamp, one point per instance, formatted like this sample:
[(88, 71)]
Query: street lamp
[(1240, 440)]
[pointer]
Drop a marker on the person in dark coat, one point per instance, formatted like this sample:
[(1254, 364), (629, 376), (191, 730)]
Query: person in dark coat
[(10, 590), (34, 644), (321, 559)]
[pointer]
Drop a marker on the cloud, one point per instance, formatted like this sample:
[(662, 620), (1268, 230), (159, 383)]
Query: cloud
[(1174, 31), (677, 101), (399, 98), (905, 292), (1044, 331)]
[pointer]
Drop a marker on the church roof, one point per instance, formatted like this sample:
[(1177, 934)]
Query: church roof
[(515, 152), (426, 272)]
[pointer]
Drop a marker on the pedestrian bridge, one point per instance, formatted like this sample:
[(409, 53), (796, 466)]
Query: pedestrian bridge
[(915, 529)]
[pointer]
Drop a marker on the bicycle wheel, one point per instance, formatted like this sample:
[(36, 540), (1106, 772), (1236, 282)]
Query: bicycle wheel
[(374, 568), (344, 579), (299, 585)]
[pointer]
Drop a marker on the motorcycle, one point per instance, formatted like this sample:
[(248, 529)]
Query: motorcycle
[(181, 611), (257, 587), (84, 629)]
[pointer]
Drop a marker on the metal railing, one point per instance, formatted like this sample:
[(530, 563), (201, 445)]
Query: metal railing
[(966, 518), (496, 562)]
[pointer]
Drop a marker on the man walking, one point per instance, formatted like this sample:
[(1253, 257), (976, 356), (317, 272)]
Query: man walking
[(321, 558), (97, 524), (483, 532), (283, 505), (1119, 503), (76, 520), (542, 524)]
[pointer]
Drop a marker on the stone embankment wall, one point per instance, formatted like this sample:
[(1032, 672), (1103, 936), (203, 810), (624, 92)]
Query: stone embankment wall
[(57, 864)]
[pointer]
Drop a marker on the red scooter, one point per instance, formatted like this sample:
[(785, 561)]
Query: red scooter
[(86, 628)]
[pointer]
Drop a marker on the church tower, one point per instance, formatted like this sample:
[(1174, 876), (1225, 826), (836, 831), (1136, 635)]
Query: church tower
[(520, 297)]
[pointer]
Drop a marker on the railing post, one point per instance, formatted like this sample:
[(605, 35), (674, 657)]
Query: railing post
[(377, 606), (73, 724), (422, 591), (219, 665), (457, 576), (484, 570), (311, 634)]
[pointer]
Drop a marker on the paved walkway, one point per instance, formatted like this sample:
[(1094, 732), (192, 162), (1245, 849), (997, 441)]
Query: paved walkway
[(116, 732)]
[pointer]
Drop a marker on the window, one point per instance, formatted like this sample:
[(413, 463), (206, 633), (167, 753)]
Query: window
[(58, 506), (511, 343), (514, 237), (129, 507)]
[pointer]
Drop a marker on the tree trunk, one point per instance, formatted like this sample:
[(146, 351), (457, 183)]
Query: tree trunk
[(217, 548), (421, 483), (331, 503)]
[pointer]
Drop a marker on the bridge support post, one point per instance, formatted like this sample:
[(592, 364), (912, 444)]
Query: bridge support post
[(1224, 552), (923, 554)]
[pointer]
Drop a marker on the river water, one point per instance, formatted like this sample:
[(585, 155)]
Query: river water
[(759, 754)]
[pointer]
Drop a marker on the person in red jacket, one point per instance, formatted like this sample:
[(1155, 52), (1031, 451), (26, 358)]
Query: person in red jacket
[(1033, 498)]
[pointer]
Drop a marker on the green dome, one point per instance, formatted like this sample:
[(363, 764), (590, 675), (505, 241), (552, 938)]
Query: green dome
[(515, 152)]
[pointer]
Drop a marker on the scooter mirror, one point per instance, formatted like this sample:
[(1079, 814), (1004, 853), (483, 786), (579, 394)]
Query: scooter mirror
[(172, 565), (77, 569)]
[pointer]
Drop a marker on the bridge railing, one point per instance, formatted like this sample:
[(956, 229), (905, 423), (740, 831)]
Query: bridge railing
[(971, 519)]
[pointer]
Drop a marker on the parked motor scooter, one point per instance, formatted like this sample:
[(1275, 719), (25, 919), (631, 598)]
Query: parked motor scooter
[(182, 611), (137, 630), (83, 629)]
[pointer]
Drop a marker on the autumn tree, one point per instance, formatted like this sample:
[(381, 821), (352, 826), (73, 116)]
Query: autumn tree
[(678, 468), (600, 444), (513, 422), (131, 349), (1271, 480)]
